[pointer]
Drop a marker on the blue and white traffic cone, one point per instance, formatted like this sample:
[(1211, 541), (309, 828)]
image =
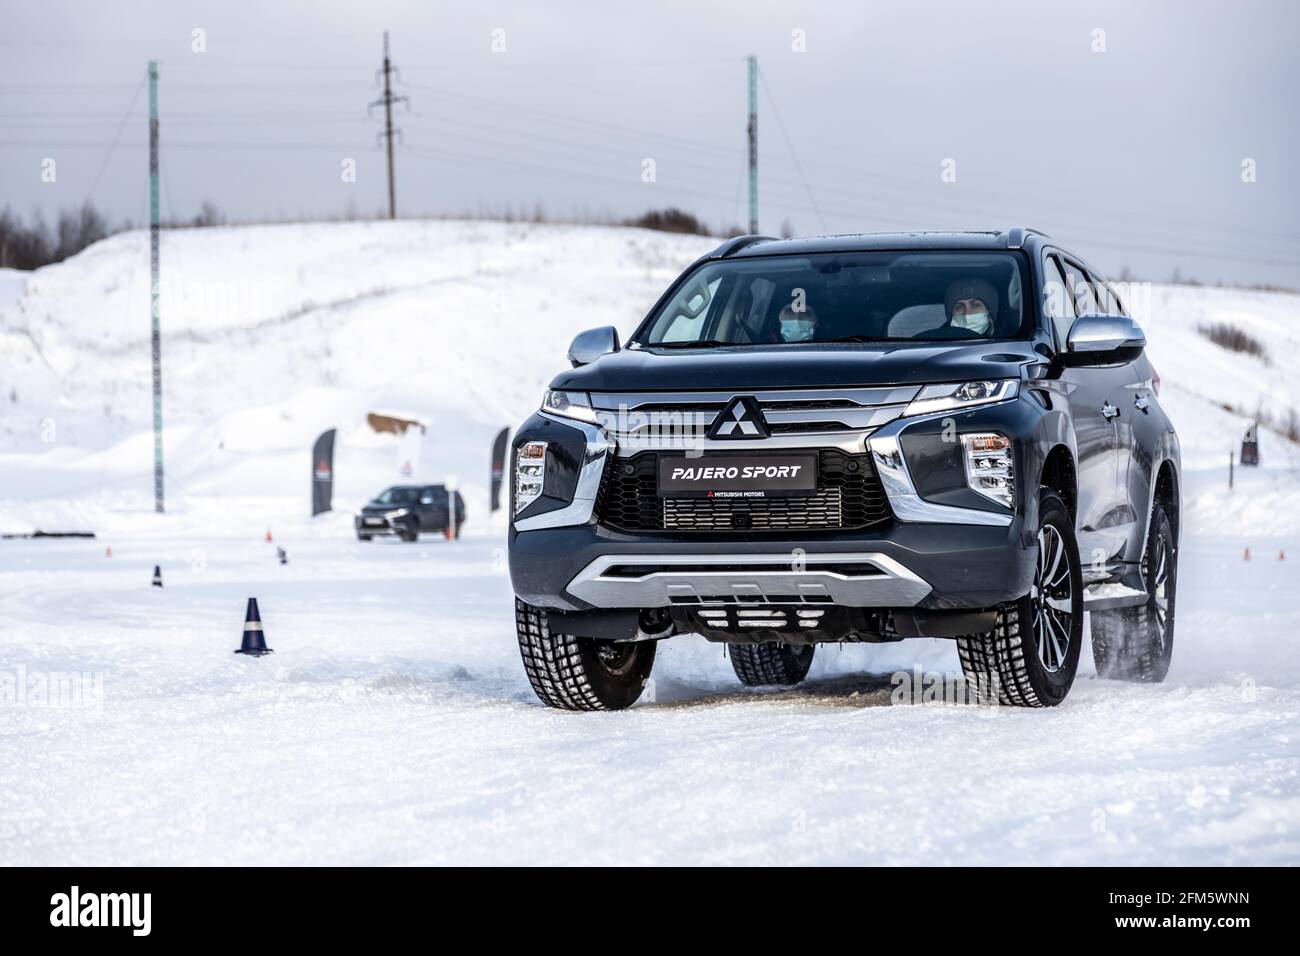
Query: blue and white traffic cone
[(157, 576), (254, 642)]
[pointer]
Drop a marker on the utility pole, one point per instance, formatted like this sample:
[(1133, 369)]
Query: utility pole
[(387, 102), (155, 234), (753, 145)]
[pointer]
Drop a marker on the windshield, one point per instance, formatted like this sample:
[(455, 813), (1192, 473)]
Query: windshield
[(399, 496), (844, 297)]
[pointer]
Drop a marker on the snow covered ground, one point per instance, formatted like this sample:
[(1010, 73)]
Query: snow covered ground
[(394, 723)]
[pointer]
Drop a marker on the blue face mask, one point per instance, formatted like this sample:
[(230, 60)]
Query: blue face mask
[(797, 330)]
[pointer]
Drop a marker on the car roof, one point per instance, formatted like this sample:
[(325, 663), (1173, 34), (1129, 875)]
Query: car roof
[(744, 247)]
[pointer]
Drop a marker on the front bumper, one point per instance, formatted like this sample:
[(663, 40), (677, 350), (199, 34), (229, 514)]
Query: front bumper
[(378, 524), (943, 550), (928, 566)]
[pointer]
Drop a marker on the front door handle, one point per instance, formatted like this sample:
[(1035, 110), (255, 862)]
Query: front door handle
[(1142, 403), (1109, 411)]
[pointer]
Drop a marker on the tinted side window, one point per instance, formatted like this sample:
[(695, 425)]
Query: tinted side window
[(1106, 297), (1105, 301), (1085, 296), (1058, 304), (1116, 306)]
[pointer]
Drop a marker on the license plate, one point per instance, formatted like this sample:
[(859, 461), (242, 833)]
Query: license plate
[(374, 522), (737, 476)]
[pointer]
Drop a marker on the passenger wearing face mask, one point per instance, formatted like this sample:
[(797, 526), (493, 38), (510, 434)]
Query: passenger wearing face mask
[(798, 325), (971, 305)]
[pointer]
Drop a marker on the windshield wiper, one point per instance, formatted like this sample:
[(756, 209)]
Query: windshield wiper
[(694, 344)]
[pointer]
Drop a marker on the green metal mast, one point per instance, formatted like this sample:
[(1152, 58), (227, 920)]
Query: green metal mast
[(753, 145)]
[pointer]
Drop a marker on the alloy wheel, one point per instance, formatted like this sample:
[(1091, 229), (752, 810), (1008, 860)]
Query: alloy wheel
[(1051, 598), (1160, 588)]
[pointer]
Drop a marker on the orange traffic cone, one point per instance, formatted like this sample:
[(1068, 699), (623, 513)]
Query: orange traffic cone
[(1281, 555), (108, 552), (1246, 556), (268, 535)]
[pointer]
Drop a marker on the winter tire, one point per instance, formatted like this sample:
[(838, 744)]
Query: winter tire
[(758, 665), (1136, 643), (1029, 659), (580, 673)]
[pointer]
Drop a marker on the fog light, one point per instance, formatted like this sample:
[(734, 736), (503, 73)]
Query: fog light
[(530, 467), (990, 467)]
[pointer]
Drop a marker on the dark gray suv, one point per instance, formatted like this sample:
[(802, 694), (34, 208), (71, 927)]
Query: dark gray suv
[(853, 438), (409, 510)]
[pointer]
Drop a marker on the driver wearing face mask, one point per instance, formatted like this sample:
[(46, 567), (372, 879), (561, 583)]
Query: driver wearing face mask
[(798, 325), (971, 305)]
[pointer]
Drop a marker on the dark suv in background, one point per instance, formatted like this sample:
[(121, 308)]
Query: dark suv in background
[(853, 438), (408, 510)]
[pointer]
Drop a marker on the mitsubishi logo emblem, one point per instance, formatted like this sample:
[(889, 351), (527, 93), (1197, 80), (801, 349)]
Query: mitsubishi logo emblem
[(742, 418)]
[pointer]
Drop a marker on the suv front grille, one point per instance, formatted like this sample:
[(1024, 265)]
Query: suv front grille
[(848, 496), (648, 421), (821, 510)]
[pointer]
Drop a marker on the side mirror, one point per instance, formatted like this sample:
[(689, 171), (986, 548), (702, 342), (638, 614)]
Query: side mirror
[(592, 344), (1103, 340)]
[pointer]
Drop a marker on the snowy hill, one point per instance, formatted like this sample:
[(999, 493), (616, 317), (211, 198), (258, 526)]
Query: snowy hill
[(273, 333)]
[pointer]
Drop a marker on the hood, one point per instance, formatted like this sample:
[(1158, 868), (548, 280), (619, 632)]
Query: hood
[(753, 367)]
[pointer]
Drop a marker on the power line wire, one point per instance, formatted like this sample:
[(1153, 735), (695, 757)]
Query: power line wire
[(794, 155), (113, 145)]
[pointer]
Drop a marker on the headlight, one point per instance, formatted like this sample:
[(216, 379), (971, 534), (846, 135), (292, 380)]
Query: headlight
[(530, 469), (989, 467), (949, 397), (569, 405), (397, 513)]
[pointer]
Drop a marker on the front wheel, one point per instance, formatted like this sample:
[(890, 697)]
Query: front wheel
[(1030, 658), (580, 673)]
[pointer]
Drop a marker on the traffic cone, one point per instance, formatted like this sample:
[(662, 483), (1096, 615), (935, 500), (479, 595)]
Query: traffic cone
[(447, 532), (1281, 555), (254, 642), (1246, 556), (280, 553), (108, 552), (268, 535), (157, 576)]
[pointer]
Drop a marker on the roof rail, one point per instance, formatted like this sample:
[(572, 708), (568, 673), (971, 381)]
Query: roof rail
[(1016, 236), (736, 244)]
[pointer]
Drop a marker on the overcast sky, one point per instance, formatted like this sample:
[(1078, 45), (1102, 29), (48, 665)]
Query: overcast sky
[(1133, 154)]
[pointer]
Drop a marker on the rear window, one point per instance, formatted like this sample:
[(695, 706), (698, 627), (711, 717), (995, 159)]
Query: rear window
[(856, 297)]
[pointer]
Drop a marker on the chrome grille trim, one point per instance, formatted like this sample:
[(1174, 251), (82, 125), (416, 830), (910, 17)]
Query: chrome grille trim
[(884, 395), (833, 417)]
